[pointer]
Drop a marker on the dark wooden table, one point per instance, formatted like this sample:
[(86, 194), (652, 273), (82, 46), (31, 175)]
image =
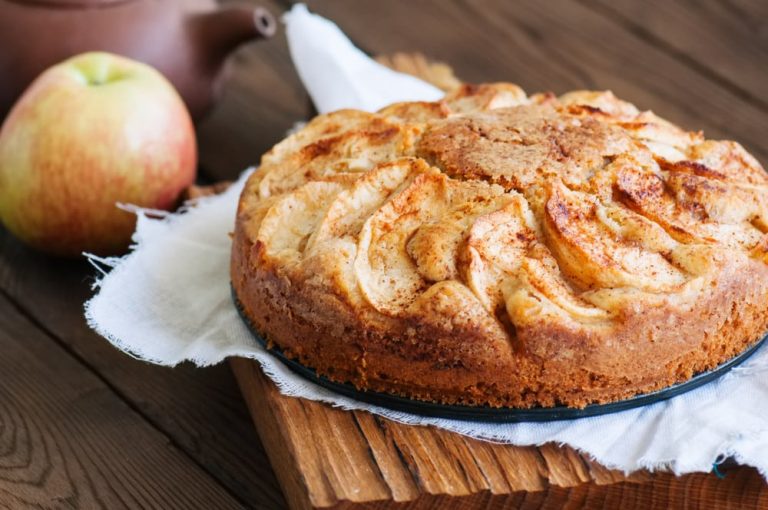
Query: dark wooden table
[(84, 426)]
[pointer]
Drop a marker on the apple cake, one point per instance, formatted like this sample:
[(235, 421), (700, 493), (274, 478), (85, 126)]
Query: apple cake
[(499, 249)]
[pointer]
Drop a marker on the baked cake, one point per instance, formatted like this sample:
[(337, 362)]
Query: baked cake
[(498, 249)]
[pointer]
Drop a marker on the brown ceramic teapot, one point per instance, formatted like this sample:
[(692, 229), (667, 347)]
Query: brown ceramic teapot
[(186, 40)]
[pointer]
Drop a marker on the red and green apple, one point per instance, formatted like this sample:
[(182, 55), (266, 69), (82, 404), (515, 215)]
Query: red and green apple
[(88, 133)]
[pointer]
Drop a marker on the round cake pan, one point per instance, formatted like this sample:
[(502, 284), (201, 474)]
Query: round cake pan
[(496, 414)]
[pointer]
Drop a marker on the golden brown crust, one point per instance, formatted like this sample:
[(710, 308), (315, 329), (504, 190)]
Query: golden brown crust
[(497, 249)]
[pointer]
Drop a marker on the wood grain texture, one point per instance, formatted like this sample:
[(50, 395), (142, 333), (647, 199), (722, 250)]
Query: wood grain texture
[(557, 45), (329, 458), (199, 409), (66, 440), (723, 40)]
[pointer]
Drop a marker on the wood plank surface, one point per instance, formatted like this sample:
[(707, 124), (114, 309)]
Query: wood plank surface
[(67, 441), (330, 458), (721, 39), (199, 409)]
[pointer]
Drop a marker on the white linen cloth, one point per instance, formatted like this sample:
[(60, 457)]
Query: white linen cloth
[(169, 301)]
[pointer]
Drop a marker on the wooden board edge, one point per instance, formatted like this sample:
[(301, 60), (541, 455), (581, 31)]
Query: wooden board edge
[(742, 485)]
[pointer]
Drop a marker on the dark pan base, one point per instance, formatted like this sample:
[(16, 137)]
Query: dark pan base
[(497, 414)]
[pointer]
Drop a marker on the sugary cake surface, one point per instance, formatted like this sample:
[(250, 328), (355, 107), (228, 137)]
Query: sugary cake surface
[(499, 249)]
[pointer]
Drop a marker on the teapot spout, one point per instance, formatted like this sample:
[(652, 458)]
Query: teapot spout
[(263, 21), (224, 30)]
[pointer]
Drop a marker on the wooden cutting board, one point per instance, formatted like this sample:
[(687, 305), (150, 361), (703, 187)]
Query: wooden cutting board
[(329, 458)]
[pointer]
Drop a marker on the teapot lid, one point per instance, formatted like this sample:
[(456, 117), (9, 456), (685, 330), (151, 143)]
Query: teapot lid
[(56, 4)]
